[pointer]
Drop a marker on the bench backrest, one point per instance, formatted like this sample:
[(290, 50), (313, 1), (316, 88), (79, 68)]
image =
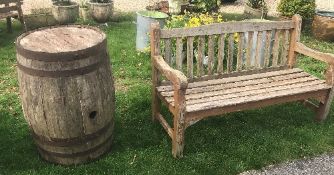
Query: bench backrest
[(7, 6), (229, 47)]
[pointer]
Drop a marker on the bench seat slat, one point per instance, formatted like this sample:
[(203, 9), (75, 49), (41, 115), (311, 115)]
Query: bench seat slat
[(231, 92), (302, 88), (234, 79), (229, 85)]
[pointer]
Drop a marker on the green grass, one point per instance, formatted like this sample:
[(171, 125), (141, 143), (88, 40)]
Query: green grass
[(227, 145)]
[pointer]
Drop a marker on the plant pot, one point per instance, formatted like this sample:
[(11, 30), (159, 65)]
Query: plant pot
[(101, 12), (144, 21), (34, 21), (176, 5), (65, 14), (84, 13), (255, 13), (323, 25)]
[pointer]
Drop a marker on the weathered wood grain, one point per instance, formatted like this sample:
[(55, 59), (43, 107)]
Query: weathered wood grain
[(276, 47), (168, 51), (221, 54), (249, 50), (155, 51), (325, 57), (226, 27), (201, 50), (179, 50), (295, 37), (211, 54), (230, 55), (190, 57), (285, 47), (70, 116), (240, 51)]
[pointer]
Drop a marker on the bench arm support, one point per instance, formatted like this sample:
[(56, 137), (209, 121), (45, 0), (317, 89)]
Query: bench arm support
[(325, 57), (178, 79)]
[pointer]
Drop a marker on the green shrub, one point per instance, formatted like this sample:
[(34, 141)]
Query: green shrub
[(257, 4), (206, 5), (305, 8)]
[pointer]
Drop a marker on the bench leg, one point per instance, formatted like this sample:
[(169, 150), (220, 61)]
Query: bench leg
[(156, 105), (178, 136), (9, 25), (324, 108)]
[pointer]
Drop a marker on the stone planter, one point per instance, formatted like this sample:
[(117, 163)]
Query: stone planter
[(323, 25), (175, 6), (255, 13), (101, 12), (144, 21), (65, 14), (34, 21)]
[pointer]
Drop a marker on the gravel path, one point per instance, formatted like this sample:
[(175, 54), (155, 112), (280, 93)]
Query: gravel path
[(322, 165)]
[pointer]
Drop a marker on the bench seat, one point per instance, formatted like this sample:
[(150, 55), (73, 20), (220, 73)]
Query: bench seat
[(219, 93)]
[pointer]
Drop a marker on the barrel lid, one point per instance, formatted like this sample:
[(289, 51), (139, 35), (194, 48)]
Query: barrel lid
[(61, 39)]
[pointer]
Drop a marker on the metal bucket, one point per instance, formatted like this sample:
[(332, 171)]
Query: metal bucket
[(144, 21)]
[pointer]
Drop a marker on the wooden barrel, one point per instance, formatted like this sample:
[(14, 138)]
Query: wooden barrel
[(67, 92)]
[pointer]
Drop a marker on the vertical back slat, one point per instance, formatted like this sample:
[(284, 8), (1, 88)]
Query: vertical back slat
[(294, 38), (221, 48), (267, 49), (168, 51), (276, 47), (258, 49), (179, 48), (240, 51), (285, 47), (190, 57), (230, 53), (249, 49), (211, 54), (201, 48)]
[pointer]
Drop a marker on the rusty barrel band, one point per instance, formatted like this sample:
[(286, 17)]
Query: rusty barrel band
[(109, 140), (75, 141), (62, 56), (63, 73)]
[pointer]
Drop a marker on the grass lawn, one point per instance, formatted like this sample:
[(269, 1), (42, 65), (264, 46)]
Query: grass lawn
[(226, 145)]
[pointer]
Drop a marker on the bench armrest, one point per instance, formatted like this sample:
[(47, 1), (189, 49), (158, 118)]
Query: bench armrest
[(325, 57), (178, 79)]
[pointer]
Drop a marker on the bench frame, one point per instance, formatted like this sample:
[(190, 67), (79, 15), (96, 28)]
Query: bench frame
[(179, 81), (6, 12)]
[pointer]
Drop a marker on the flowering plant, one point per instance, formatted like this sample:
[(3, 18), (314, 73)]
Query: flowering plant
[(189, 20)]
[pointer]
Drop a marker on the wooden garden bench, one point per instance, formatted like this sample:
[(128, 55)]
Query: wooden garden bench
[(11, 9), (252, 69)]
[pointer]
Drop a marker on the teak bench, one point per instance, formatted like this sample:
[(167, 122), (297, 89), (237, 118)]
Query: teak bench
[(253, 69), (11, 9)]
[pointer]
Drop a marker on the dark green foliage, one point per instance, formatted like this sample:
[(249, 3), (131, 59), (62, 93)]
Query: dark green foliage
[(206, 5), (305, 8)]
